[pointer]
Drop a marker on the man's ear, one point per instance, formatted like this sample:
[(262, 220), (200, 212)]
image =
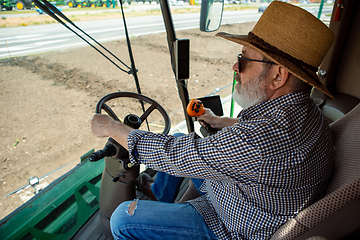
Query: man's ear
[(280, 77)]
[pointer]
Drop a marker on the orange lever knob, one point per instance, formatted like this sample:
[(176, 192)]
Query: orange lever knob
[(195, 108)]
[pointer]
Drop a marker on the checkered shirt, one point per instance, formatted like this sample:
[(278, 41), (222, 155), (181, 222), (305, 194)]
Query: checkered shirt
[(259, 172)]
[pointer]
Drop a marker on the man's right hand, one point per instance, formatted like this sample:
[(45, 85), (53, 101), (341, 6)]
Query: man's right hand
[(215, 121)]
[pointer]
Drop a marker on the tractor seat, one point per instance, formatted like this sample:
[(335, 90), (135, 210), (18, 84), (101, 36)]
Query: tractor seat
[(337, 214)]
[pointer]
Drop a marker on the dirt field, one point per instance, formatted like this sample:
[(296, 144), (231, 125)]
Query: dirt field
[(47, 100)]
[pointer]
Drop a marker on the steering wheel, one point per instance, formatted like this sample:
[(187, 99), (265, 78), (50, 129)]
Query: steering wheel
[(153, 105)]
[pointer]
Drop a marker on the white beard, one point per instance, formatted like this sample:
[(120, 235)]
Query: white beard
[(249, 94)]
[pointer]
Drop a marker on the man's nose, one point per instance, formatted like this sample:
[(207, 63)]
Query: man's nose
[(236, 67)]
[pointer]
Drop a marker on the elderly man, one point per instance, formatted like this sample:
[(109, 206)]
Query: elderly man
[(263, 167)]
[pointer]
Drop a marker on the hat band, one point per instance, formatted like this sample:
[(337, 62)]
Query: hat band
[(264, 46)]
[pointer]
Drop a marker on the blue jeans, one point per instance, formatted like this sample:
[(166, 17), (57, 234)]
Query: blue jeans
[(159, 220), (166, 187)]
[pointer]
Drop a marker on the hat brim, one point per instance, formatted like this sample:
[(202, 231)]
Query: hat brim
[(306, 75)]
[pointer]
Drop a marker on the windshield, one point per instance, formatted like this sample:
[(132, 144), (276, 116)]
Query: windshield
[(48, 98)]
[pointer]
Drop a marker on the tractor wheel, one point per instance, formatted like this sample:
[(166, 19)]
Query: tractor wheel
[(79, 5), (92, 5), (104, 5), (84, 4), (20, 5), (71, 4), (27, 4)]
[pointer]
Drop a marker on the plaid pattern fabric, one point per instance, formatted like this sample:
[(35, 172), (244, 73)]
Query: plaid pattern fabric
[(259, 173)]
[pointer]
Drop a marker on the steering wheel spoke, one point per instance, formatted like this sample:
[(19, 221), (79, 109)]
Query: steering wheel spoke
[(109, 111), (147, 112)]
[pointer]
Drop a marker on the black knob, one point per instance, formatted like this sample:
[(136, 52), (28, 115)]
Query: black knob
[(108, 151), (133, 121)]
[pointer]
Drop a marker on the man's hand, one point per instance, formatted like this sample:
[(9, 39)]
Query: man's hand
[(210, 118), (100, 125), (104, 126), (215, 121)]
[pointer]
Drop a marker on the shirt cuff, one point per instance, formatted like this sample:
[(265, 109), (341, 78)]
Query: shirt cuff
[(132, 140)]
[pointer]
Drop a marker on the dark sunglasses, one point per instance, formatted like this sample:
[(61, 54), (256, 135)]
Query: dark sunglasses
[(248, 59)]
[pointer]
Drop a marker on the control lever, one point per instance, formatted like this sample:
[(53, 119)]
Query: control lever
[(108, 151), (196, 108)]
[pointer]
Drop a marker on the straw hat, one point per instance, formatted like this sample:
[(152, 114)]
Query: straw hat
[(291, 37)]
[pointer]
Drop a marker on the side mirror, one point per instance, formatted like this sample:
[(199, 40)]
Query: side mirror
[(210, 15)]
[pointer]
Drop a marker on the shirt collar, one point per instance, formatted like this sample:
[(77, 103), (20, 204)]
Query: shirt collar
[(296, 98)]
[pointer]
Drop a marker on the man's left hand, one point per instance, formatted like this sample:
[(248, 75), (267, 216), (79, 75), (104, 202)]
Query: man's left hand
[(104, 126)]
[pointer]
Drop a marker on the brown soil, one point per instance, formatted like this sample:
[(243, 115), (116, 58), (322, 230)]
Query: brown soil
[(47, 100)]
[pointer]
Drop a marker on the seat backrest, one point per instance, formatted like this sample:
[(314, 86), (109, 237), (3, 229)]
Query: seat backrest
[(344, 184), (346, 138)]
